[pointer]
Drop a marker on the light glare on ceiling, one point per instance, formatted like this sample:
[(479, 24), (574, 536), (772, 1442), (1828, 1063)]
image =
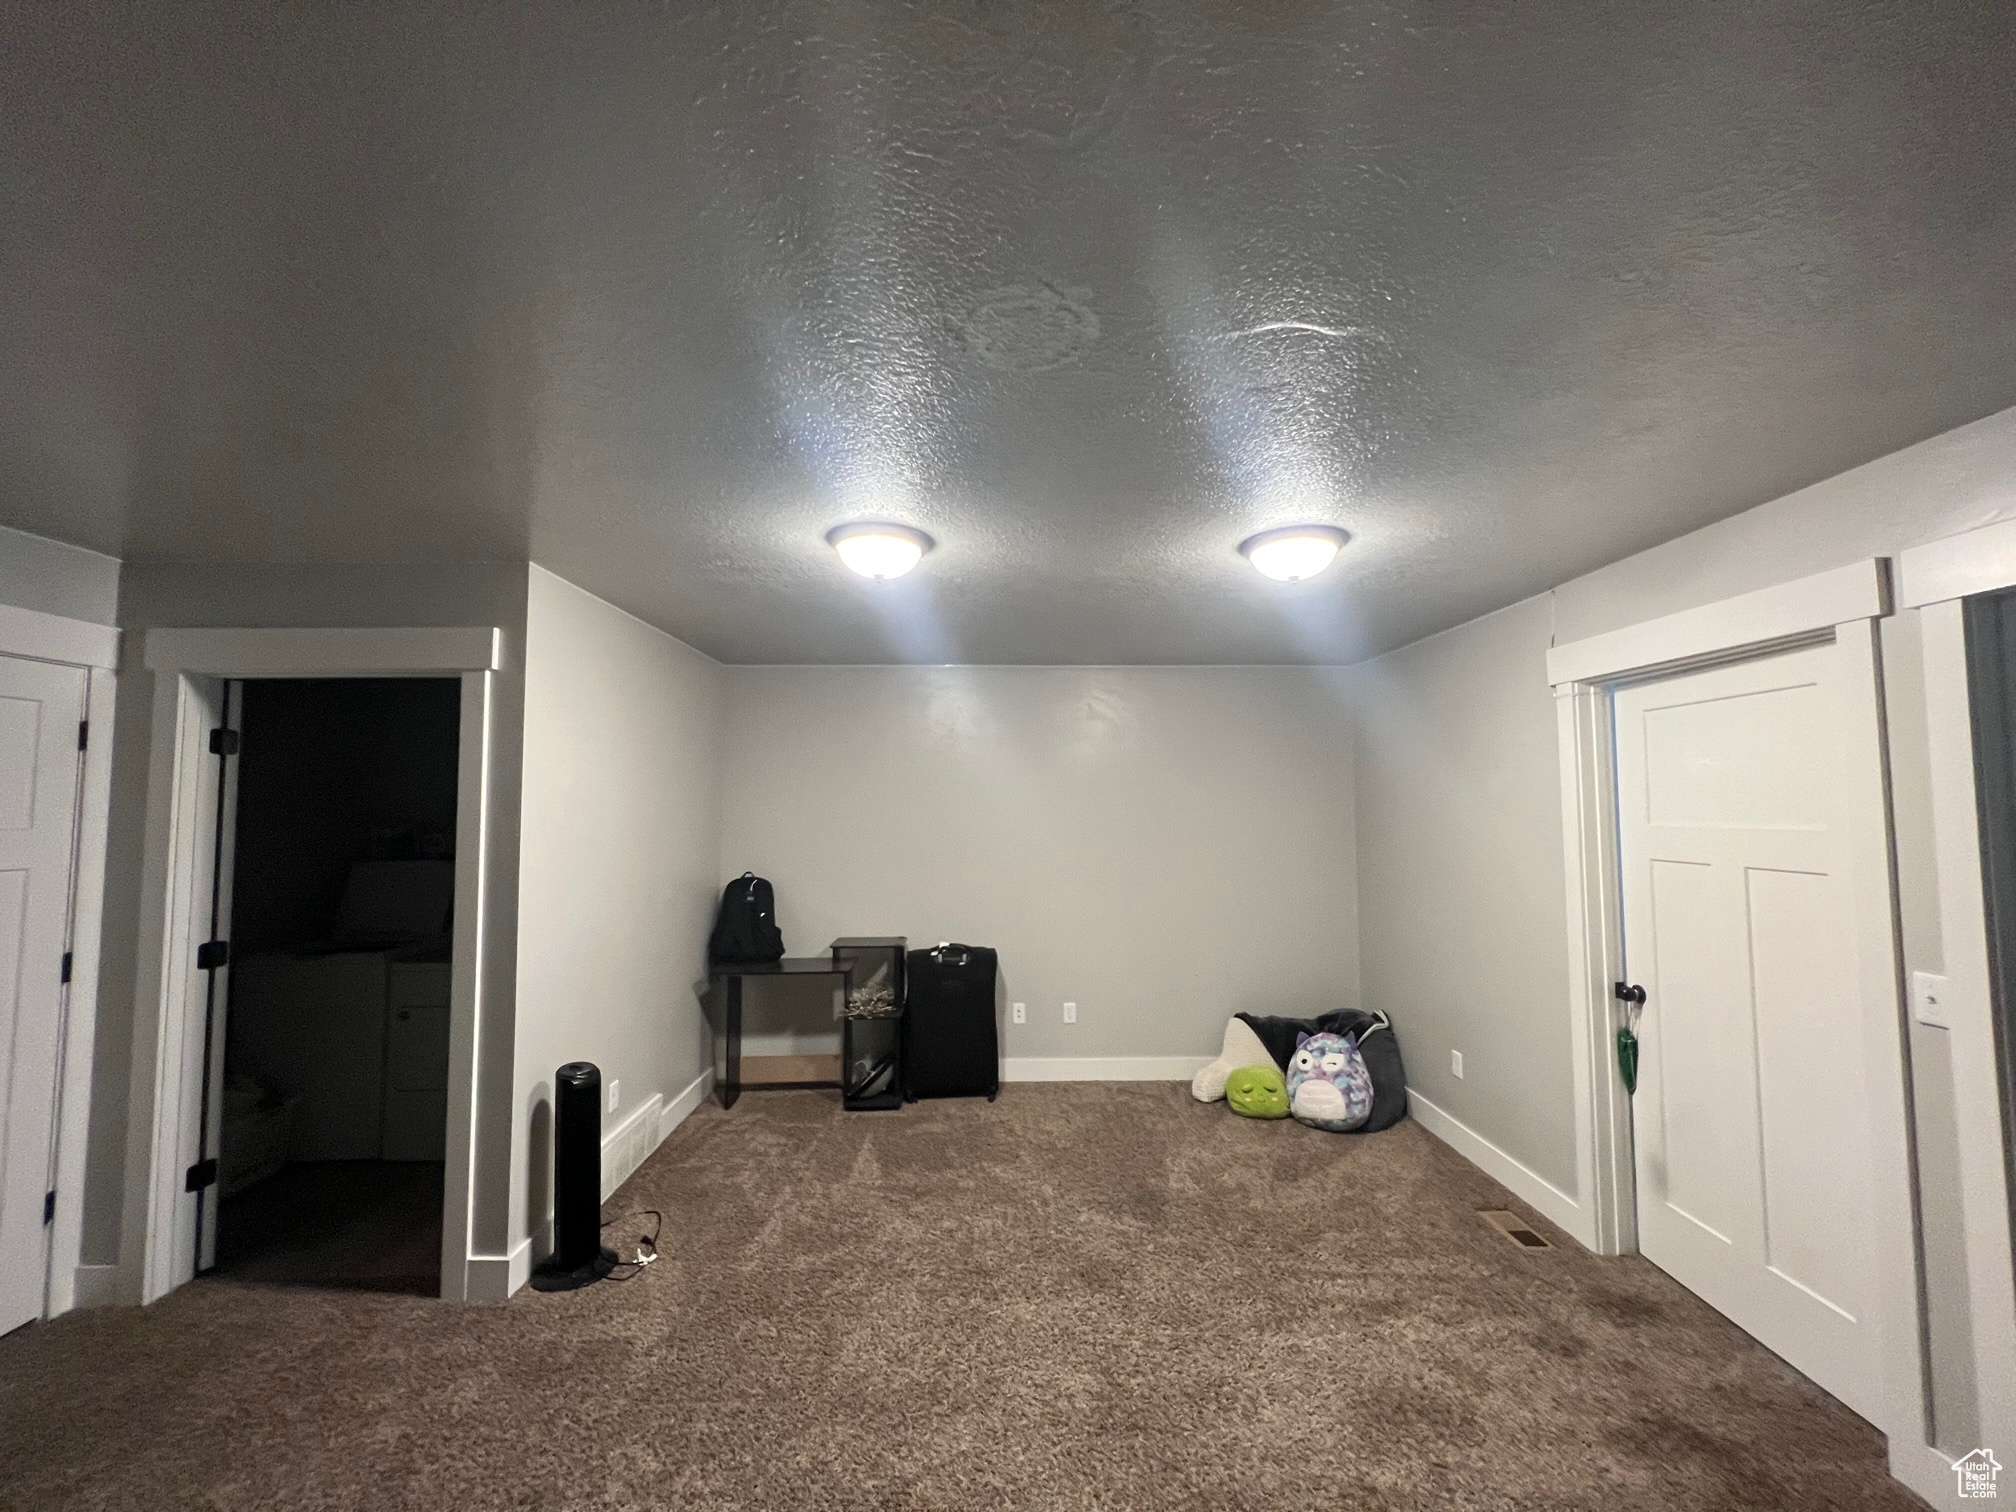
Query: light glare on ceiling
[(1294, 552), (879, 551)]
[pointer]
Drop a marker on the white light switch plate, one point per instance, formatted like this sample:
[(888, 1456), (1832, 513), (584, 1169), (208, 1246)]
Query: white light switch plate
[(1928, 999)]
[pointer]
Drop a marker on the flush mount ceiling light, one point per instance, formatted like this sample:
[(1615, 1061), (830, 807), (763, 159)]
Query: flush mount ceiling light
[(879, 551), (1294, 552)]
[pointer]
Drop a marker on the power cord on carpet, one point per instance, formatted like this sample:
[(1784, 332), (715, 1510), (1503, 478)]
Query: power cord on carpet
[(647, 1245)]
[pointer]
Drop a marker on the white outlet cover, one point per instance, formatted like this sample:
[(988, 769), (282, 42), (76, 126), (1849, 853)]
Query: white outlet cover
[(1021, 1013), (615, 1094), (1070, 1013), (1928, 999), (1456, 1064)]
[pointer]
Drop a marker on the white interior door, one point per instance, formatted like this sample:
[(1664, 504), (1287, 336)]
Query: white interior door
[(1751, 1119), (187, 1186), (41, 707)]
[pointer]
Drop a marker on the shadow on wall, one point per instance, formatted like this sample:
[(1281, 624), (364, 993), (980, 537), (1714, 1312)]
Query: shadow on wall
[(539, 1172)]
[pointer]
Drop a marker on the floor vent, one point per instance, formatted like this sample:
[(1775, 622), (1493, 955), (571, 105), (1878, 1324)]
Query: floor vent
[(1513, 1227)]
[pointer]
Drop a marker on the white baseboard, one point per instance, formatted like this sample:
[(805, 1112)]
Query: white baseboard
[(1545, 1198), (493, 1278), (630, 1143), (677, 1110), (1036, 1068)]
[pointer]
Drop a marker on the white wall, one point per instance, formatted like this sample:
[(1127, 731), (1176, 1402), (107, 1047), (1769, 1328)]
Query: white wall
[(52, 578), (617, 854), (1461, 879), (255, 595), (1164, 846), (1475, 702)]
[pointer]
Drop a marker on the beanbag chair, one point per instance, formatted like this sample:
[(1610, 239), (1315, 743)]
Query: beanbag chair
[(1257, 1092), (1242, 1047), (1328, 1085), (1376, 1043)]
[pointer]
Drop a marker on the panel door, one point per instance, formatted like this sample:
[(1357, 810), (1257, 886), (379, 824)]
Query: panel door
[(1750, 1121), (41, 706)]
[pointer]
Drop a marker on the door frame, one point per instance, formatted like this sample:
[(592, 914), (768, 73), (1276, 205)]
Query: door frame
[(31, 635), (167, 1015), (1843, 607), (1935, 580)]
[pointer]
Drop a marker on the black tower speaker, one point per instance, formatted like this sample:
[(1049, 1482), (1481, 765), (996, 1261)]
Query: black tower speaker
[(578, 1258)]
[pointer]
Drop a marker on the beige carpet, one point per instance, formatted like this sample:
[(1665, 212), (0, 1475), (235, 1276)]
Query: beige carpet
[(1082, 1297)]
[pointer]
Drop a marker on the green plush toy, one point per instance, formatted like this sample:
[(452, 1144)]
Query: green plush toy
[(1257, 1092)]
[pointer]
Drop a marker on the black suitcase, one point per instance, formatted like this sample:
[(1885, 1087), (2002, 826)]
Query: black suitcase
[(951, 1047)]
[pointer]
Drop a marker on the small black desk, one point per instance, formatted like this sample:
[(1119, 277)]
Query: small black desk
[(728, 1077)]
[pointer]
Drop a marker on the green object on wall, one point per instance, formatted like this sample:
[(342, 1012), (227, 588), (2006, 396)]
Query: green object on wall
[(1257, 1092), (1627, 1059)]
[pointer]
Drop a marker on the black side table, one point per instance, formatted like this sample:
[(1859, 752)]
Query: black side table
[(728, 1075)]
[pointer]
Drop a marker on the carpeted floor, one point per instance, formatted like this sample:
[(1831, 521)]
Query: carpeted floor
[(1082, 1297)]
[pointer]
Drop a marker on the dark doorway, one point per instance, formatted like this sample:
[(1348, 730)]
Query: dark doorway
[(334, 1108)]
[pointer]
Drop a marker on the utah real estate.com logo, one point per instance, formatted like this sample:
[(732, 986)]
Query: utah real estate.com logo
[(1976, 1474)]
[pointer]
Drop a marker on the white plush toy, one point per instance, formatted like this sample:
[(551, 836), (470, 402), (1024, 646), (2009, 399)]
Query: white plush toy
[(1242, 1048)]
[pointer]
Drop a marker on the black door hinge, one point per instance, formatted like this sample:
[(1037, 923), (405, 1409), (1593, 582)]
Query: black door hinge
[(48, 1207), (201, 1175), (223, 742), (212, 954), (84, 735), (67, 958)]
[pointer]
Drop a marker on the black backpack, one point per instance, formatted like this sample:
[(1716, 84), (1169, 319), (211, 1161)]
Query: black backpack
[(745, 931)]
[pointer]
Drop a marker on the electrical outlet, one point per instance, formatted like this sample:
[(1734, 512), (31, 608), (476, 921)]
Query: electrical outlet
[(1021, 1013), (1456, 1064), (1070, 1013), (615, 1093), (1928, 999)]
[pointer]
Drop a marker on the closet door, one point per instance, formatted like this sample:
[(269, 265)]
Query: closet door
[(41, 707), (1751, 1119)]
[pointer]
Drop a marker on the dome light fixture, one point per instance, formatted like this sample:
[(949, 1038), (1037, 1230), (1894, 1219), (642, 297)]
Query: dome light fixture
[(877, 550), (1294, 552)]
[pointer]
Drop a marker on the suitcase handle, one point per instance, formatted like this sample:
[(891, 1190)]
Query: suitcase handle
[(965, 954)]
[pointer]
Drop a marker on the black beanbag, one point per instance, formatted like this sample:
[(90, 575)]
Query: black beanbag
[(1375, 1042)]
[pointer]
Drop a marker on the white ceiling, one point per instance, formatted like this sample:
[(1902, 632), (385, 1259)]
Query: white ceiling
[(656, 293)]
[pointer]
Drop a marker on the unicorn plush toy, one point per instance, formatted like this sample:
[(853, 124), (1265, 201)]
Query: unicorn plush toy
[(1328, 1085)]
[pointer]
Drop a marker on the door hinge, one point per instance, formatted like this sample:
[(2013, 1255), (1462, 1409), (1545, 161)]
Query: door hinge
[(212, 954), (84, 735), (201, 1175), (67, 959), (48, 1207), (223, 742)]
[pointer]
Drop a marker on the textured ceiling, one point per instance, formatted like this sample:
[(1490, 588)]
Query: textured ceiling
[(656, 293)]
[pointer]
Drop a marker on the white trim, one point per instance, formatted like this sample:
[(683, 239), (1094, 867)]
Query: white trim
[(494, 1278), (162, 1024), (1545, 1198), (1868, 842), (1970, 1008), (473, 807), (80, 1020), (1976, 561), (420, 651), (53, 638), (680, 1108), (1801, 607), (1118, 1068), (1603, 1174)]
